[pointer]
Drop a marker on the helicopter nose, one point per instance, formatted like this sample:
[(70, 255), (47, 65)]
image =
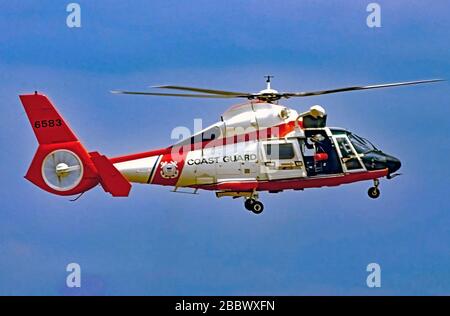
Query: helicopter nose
[(393, 164)]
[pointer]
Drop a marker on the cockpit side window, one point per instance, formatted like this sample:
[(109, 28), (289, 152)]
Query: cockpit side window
[(361, 145)]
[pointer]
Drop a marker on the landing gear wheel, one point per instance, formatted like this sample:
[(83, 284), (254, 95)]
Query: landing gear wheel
[(373, 192), (249, 204), (257, 207)]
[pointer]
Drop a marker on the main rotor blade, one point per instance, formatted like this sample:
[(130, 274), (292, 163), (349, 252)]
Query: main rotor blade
[(211, 91), (386, 85), (212, 96)]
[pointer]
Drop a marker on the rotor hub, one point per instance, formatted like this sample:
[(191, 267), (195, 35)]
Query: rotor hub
[(61, 169)]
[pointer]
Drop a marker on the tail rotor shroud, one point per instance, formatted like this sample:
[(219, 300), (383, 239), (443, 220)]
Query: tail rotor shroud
[(62, 170)]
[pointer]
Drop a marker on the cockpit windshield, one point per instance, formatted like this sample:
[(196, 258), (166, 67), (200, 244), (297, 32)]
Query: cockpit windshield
[(361, 144)]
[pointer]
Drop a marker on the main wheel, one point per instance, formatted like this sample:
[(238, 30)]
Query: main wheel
[(373, 192), (249, 204), (257, 207)]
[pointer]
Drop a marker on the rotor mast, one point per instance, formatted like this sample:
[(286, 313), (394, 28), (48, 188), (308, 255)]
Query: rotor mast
[(268, 77)]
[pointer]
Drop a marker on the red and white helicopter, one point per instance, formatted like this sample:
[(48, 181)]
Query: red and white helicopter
[(256, 146)]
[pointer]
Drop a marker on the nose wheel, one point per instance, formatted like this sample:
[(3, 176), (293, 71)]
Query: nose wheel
[(374, 192), (253, 205)]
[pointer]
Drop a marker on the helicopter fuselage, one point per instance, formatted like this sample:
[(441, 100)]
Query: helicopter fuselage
[(256, 147)]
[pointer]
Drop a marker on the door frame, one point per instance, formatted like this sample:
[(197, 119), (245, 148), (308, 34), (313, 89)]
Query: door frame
[(355, 154)]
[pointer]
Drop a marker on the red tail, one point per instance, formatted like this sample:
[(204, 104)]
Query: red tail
[(61, 164)]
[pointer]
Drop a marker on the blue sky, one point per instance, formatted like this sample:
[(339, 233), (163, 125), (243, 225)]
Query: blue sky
[(156, 242)]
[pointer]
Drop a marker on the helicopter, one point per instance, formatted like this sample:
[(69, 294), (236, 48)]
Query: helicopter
[(256, 146)]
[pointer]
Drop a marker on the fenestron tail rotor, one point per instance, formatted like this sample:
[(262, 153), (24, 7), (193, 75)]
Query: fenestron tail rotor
[(268, 94), (62, 170)]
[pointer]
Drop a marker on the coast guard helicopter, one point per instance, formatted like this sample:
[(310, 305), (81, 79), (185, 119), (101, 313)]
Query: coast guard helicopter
[(256, 146)]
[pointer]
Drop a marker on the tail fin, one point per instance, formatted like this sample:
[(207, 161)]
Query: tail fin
[(61, 164), (48, 125)]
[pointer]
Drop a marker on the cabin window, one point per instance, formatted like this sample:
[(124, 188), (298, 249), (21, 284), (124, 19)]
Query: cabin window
[(279, 151)]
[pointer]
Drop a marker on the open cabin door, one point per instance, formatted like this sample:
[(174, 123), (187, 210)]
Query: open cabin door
[(281, 159)]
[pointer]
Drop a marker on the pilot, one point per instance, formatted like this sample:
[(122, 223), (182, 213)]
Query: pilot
[(317, 138), (316, 143), (324, 145)]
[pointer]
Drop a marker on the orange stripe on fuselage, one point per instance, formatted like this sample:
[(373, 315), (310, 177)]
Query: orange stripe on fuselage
[(275, 131)]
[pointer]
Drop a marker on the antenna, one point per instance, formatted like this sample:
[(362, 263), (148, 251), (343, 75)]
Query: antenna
[(268, 77)]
